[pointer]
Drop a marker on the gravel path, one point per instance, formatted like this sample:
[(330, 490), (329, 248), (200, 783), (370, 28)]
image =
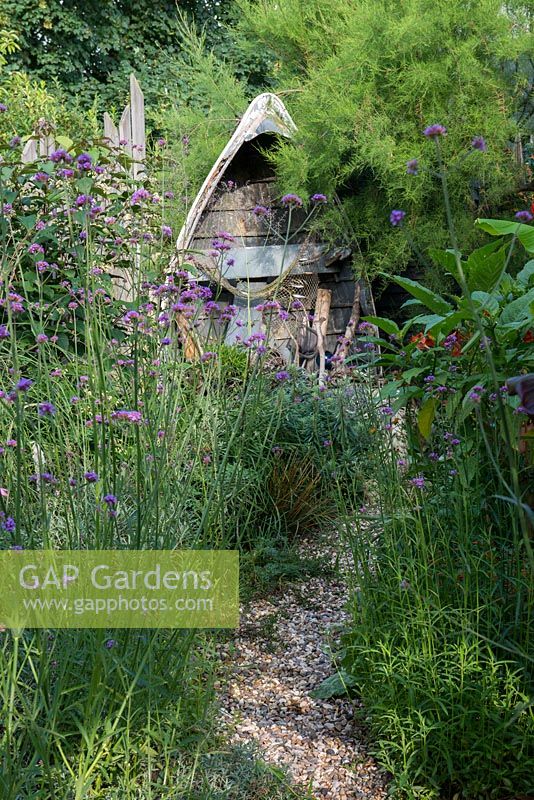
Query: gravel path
[(278, 657)]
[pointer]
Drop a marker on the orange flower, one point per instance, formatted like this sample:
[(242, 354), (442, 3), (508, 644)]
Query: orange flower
[(423, 342), (528, 338)]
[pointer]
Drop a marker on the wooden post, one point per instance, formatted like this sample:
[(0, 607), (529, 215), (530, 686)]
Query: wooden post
[(322, 312), (137, 126), (518, 150), (350, 330), (111, 132), (125, 131), (29, 152), (130, 136), (46, 145)]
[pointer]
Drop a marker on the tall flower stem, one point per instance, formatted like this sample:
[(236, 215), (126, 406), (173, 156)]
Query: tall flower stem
[(476, 317)]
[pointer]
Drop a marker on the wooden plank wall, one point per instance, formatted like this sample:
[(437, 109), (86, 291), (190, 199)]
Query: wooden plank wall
[(232, 210), (342, 287)]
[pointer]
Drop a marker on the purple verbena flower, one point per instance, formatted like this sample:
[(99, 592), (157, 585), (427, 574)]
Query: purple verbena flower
[(84, 161), (9, 525), (396, 217), (319, 198), (479, 143), (90, 476), (412, 166), (35, 247), (434, 131), (261, 211), (23, 385), (83, 200), (135, 417), (139, 195), (291, 200), (524, 216), (60, 155), (46, 409), (418, 482), (45, 477)]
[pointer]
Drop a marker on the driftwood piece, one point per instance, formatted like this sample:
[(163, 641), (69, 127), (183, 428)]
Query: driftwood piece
[(322, 312), (191, 344), (344, 346)]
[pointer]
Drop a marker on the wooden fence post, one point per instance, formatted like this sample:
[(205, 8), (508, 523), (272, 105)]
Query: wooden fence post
[(111, 132), (130, 136), (137, 127), (29, 153)]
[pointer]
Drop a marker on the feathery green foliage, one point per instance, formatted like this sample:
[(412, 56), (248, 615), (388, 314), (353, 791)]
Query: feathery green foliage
[(367, 78)]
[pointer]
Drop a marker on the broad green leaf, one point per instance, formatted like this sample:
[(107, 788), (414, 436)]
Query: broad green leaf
[(425, 416), (502, 227), (28, 221), (445, 258), (413, 373), (523, 277), (518, 309), (450, 322), (386, 325), (429, 299), (335, 686), (428, 320), (64, 142), (84, 185), (389, 389), (484, 268), (486, 301)]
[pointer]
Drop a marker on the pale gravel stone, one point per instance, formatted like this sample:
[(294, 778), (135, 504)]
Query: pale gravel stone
[(267, 696)]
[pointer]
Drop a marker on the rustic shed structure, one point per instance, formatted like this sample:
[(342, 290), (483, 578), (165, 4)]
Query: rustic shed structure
[(261, 253)]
